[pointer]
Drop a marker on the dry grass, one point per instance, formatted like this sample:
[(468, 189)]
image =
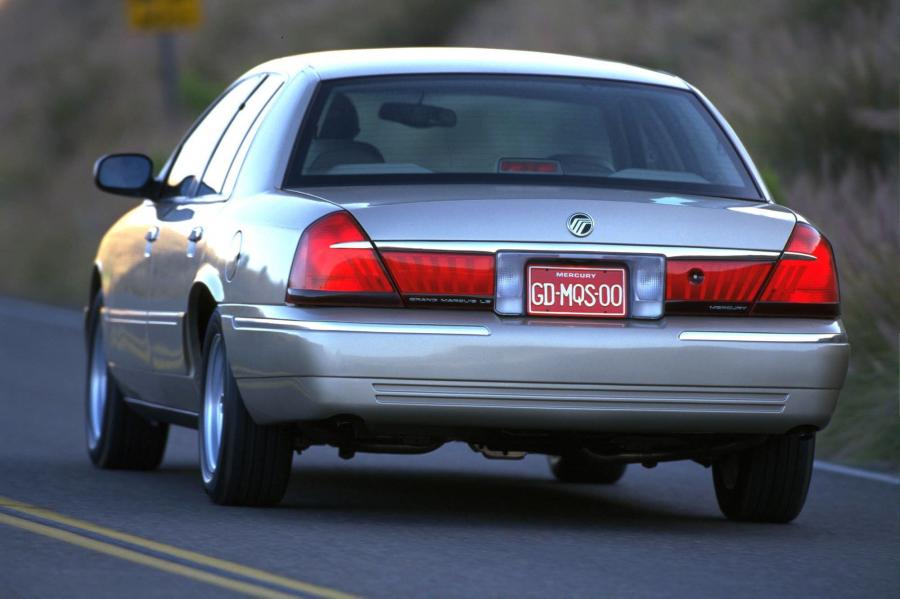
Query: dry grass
[(860, 212), (810, 85), (78, 83)]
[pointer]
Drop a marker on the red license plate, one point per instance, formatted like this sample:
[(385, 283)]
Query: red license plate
[(576, 291)]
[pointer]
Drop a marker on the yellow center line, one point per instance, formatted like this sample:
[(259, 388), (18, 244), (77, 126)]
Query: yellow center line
[(163, 548), (145, 560)]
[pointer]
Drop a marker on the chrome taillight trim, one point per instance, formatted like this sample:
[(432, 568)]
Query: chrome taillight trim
[(352, 245), (798, 256)]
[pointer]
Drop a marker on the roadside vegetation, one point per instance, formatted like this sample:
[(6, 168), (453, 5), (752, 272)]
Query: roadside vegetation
[(810, 85)]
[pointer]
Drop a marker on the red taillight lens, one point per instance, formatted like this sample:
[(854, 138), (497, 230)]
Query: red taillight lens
[(325, 272), (802, 283), (805, 280), (336, 263), (712, 281), (442, 274)]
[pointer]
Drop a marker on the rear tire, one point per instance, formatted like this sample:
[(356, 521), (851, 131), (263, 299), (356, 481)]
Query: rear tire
[(241, 462), (582, 466), (117, 437), (768, 482)]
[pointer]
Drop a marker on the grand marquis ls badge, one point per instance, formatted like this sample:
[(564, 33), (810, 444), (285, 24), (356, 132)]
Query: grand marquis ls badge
[(580, 224)]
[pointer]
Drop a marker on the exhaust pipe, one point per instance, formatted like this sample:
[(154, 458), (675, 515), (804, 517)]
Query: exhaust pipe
[(497, 454)]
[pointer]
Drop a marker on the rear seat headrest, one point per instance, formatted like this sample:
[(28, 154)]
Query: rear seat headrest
[(341, 121)]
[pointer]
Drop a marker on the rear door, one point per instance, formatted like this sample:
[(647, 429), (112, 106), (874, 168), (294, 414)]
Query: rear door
[(188, 221)]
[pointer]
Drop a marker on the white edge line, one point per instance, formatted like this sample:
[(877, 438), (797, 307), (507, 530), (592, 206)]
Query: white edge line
[(857, 472)]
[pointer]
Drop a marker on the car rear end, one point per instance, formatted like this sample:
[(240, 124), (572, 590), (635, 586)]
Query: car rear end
[(543, 264), (468, 333)]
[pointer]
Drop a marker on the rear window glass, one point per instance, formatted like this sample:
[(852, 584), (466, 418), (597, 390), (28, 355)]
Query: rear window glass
[(471, 128)]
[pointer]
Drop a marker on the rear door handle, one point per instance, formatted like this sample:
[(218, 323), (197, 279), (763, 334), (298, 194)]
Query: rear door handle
[(196, 234), (150, 236)]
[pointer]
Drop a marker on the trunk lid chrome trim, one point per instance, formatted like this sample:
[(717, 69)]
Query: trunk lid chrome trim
[(492, 247)]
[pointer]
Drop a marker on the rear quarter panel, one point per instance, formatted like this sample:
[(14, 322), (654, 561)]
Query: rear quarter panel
[(270, 222), (270, 226)]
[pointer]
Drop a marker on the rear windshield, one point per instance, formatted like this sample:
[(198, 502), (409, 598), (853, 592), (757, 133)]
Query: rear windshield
[(493, 129)]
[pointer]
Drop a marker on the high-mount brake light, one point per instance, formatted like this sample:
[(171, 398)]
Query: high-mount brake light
[(528, 165), (805, 281), (336, 264)]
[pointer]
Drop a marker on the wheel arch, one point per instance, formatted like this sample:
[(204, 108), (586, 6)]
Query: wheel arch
[(205, 295)]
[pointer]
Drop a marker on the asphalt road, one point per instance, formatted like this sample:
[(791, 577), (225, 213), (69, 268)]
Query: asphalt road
[(447, 524)]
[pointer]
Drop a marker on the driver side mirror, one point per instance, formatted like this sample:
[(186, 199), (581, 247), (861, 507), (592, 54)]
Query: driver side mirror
[(125, 175)]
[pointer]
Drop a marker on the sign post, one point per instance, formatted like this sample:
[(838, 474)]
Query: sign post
[(164, 17)]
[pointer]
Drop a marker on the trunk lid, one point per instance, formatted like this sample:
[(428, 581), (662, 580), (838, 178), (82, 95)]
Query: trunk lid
[(539, 214)]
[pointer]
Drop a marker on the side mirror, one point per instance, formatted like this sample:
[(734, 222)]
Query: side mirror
[(125, 174)]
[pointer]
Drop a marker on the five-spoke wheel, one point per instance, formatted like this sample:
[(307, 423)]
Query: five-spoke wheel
[(117, 437)]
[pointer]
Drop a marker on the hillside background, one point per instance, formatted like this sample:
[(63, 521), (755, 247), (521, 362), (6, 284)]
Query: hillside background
[(810, 85)]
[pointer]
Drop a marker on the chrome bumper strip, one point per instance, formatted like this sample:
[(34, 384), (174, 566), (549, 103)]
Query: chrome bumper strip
[(123, 316), (273, 324), (150, 404), (115, 320), (763, 337)]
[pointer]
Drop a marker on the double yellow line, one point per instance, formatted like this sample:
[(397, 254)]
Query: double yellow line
[(224, 566)]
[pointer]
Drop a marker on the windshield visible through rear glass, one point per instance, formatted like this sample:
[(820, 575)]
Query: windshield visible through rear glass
[(495, 129)]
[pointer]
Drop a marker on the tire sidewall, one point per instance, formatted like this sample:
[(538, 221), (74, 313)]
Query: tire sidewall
[(771, 482), (99, 453), (215, 486)]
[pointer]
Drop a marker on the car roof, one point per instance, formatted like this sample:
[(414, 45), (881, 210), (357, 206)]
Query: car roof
[(340, 64)]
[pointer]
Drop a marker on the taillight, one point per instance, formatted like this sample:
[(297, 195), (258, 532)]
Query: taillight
[(335, 263), (802, 283), (713, 287), (437, 278), (805, 280), (714, 281)]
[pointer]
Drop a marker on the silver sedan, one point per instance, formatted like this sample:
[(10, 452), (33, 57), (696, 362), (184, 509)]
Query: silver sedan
[(388, 250)]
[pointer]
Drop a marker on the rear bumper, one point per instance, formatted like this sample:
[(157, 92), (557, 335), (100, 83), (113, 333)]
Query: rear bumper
[(475, 369)]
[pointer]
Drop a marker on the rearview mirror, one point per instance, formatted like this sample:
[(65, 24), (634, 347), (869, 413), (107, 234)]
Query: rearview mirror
[(125, 174), (420, 116)]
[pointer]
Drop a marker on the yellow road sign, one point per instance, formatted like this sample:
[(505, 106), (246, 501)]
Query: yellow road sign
[(163, 15)]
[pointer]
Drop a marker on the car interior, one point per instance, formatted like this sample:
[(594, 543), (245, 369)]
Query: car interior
[(335, 143)]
